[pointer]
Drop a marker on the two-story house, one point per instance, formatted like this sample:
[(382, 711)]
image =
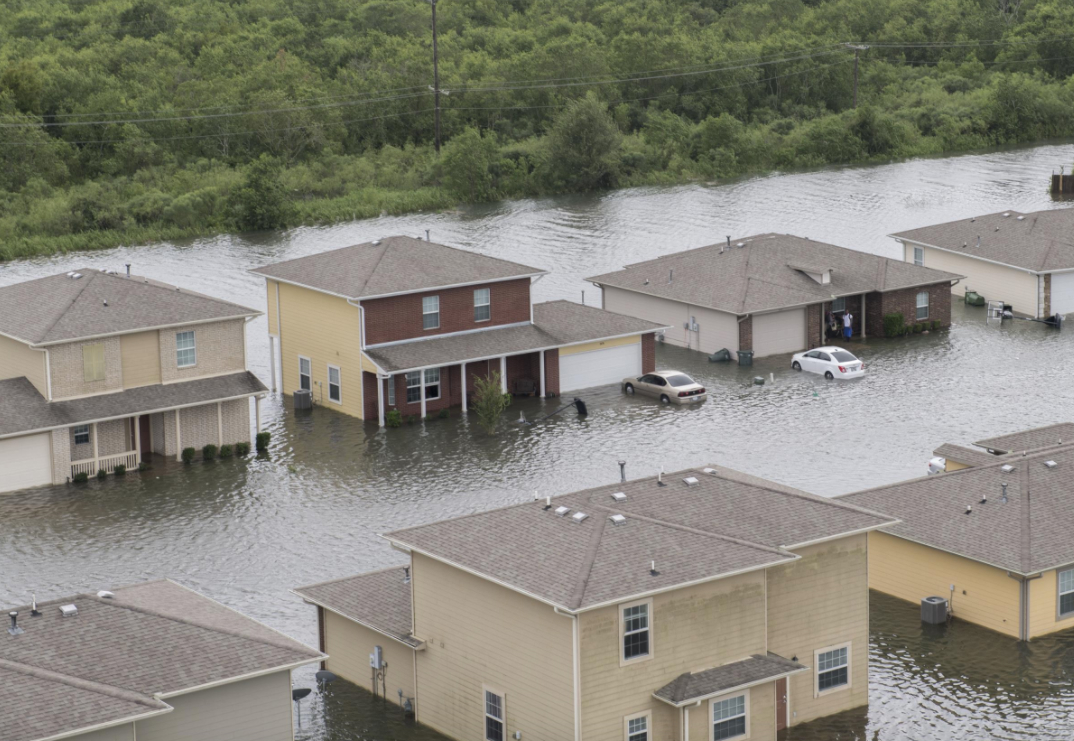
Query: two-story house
[(705, 604), (99, 369), (407, 324)]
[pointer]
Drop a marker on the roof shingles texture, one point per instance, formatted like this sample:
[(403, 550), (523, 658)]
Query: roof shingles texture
[(1029, 440), (379, 599), (754, 670), (765, 274)]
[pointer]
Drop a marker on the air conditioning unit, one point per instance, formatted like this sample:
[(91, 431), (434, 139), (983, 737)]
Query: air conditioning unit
[(934, 610)]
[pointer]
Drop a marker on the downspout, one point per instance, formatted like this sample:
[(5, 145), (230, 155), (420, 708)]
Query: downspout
[(576, 667), (361, 383)]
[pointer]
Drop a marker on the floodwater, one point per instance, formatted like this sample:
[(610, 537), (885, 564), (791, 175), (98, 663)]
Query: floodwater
[(247, 531)]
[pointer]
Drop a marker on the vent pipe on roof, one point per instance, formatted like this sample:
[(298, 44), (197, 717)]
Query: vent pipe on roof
[(660, 477), (406, 575), (548, 502), (1004, 493), (34, 612), (969, 509), (978, 240), (984, 499), (14, 629), (622, 471), (652, 568), (128, 270), (426, 235), (671, 275)]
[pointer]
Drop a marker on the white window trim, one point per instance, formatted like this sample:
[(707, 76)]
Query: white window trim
[(308, 375), (926, 307), (503, 708), (328, 377), (488, 303), (439, 384), (391, 391), (1059, 614), (419, 387), (721, 698), (919, 250), (623, 661), (76, 433), (195, 348), (425, 313), (842, 310), (816, 671), (648, 715)]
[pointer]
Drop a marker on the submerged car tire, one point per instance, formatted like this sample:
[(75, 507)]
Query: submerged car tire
[(664, 399), (796, 365), (629, 389), (828, 375)]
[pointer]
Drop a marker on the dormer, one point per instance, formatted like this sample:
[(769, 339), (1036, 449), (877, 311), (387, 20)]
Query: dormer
[(821, 275)]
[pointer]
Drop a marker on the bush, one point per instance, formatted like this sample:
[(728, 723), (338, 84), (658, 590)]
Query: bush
[(80, 478), (393, 418), (120, 470), (188, 455), (226, 451), (143, 466), (208, 453), (894, 325), (262, 201), (444, 413), (489, 401), (242, 449), (936, 324), (101, 474), (917, 328), (263, 441)]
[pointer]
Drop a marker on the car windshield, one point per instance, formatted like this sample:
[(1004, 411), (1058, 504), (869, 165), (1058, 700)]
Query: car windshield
[(843, 357), (680, 380)]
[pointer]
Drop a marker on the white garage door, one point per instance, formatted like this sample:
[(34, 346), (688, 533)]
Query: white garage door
[(781, 332), (25, 462), (599, 367), (1062, 293)]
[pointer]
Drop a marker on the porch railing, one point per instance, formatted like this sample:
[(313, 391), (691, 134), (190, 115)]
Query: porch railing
[(90, 466)]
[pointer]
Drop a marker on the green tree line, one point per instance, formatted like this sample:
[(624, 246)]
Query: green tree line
[(128, 121)]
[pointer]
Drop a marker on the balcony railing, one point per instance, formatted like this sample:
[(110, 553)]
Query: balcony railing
[(90, 466)]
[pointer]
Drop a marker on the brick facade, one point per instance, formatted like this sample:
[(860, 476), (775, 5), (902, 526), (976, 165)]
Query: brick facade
[(220, 348), (551, 372), (745, 334), (61, 456), (400, 317), (1047, 294), (814, 321), (68, 371), (648, 353), (905, 302)]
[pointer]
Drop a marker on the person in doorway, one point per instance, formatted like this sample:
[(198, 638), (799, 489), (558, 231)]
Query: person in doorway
[(848, 324)]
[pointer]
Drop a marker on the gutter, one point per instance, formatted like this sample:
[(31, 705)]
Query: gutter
[(251, 675), (576, 669), (904, 240), (695, 701), (106, 725)]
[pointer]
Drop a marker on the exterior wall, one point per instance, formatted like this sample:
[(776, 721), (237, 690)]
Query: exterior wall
[(270, 306), (220, 346), (18, 360), (236, 418), (778, 332), (905, 302), (400, 317), (996, 282), (1044, 283), (1059, 293), (814, 324), (140, 358), (256, 709), (762, 715), (112, 437), (692, 628), (61, 456), (874, 315), (522, 648), (551, 372), (124, 732), (327, 330), (911, 571), (648, 353), (162, 432), (198, 426), (818, 601), (716, 329), (349, 645), (952, 465), (68, 375), (745, 334), (1044, 608)]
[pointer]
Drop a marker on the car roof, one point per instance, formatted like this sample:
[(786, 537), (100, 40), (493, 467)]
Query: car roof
[(668, 373), (831, 348)]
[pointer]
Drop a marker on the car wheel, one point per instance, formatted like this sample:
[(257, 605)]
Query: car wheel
[(796, 365), (629, 388), (664, 399), (828, 375)]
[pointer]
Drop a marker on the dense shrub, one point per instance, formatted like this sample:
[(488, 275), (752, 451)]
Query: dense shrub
[(101, 474), (226, 451), (242, 449), (80, 478), (120, 470), (188, 455), (208, 453), (894, 324), (393, 418), (263, 441)]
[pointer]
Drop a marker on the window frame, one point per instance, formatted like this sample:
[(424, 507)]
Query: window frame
[(648, 715), (817, 691), (919, 250), (193, 348), (487, 690), (76, 433), (391, 391), (307, 375), (421, 376), (745, 694), (1059, 593), (101, 373), (918, 307), (339, 383), (425, 383), (623, 607), (425, 312), (487, 305), (843, 305)]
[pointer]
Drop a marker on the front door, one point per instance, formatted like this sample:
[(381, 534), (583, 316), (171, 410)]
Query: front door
[(146, 438), (781, 704)]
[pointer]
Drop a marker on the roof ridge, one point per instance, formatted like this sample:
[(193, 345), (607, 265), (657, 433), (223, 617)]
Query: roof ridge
[(382, 245), (578, 597), (82, 289), (83, 684), (175, 287)]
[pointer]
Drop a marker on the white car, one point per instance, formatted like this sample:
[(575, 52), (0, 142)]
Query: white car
[(830, 362)]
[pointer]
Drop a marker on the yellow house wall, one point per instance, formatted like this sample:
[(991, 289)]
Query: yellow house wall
[(692, 629), (912, 571), (478, 633), (349, 644), (995, 282), (270, 306), (1043, 606), (954, 466), (17, 360), (819, 601), (327, 330), (599, 345), (140, 358), (762, 715)]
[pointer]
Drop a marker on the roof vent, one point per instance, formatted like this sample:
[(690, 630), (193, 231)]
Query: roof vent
[(617, 520), (579, 516), (105, 594), (76, 276), (376, 241), (68, 610), (969, 509), (711, 471), (1006, 468), (1050, 464), (562, 511), (1004, 497), (740, 244), (1007, 215), (14, 629), (1020, 218), (619, 496), (690, 481)]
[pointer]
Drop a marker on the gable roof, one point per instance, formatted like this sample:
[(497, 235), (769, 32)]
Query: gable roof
[(61, 308), (379, 600), (1039, 242), (118, 658), (726, 523), (391, 266), (690, 687), (766, 273), (1035, 439)]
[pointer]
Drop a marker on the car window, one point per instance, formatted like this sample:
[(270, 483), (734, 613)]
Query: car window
[(823, 356), (843, 357), (680, 380), (813, 354), (645, 379), (659, 381)]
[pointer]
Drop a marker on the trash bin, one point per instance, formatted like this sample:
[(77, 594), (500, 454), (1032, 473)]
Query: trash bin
[(745, 357), (303, 399), (934, 610), (720, 356)]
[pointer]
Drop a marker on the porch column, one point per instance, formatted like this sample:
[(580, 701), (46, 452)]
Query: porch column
[(138, 436), (503, 373), (272, 361), (863, 315), (257, 414), (542, 375), (464, 388), (380, 400), (178, 437), (96, 451), (422, 372)]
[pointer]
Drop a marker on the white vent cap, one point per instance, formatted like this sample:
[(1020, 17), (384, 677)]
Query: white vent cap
[(579, 516), (105, 594), (619, 496), (1020, 218), (708, 470), (68, 610), (562, 511), (690, 481), (1050, 464), (617, 519), (1006, 468)]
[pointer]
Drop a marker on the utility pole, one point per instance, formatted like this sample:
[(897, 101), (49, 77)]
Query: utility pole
[(857, 50), (436, 84)]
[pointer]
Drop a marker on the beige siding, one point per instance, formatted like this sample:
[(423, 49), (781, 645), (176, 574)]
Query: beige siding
[(325, 329), (995, 282), (481, 634), (124, 732), (236, 416), (779, 332), (198, 426), (61, 455), (140, 354), (599, 345), (253, 710), (911, 571), (220, 350), (18, 360), (762, 715), (693, 628), (68, 378), (1044, 606), (716, 329), (349, 645), (819, 601)]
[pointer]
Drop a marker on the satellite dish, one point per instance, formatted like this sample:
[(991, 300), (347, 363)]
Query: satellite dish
[(324, 676), (301, 692)]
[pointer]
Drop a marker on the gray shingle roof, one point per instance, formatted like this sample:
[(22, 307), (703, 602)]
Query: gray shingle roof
[(1035, 439), (1028, 533), (393, 265), (724, 524), (694, 686), (61, 309), (766, 274), (964, 455), (107, 663), (26, 410), (555, 324), (1040, 241), (379, 600)]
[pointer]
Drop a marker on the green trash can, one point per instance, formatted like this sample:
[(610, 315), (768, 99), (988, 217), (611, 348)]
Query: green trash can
[(745, 357), (720, 356)]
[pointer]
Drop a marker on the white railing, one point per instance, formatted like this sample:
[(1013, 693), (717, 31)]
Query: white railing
[(107, 462)]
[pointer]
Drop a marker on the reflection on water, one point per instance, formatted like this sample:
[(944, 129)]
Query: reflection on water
[(247, 531)]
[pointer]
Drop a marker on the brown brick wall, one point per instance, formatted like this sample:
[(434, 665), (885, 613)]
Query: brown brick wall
[(648, 353), (400, 318), (905, 301), (814, 315), (745, 334), (551, 372), (874, 315), (1047, 294)]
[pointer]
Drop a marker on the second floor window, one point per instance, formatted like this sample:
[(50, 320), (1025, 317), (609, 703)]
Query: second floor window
[(637, 728), (335, 390), (1066, 593), (482, 304), (919, 255), (923, 305), (93, 362), (430, 312), (635, 631), (186, 354), (493, 717)]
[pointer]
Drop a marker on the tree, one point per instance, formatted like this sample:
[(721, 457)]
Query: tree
[(261, 202), (583, 146), (467, 166), (490, 401)]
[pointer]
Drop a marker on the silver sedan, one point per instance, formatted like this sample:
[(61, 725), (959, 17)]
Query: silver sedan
[(670, 386)]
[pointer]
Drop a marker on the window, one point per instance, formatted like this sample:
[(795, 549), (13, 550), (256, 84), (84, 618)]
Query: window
[(637, 727), (391, 391), (839, 304), (923, 305), (335, 390), (730, 717), (186, 354), (82, 435), (494, 716), (413, 387), (919, 255), (432, 383), (833, 668), (635, 630), (1066, 593), (93, 362), (482, 301), (430, 312), (305, 372)]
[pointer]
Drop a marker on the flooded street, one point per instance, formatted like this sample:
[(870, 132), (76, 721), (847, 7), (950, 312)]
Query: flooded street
[(247, 531)]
